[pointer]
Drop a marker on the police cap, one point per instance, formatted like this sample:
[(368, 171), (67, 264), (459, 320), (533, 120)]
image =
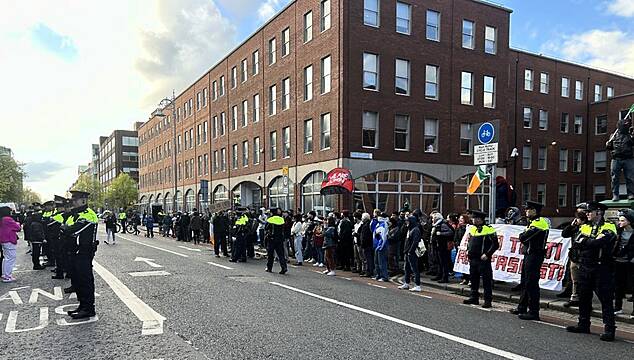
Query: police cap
[(533, 205), (582, 206), (595, 205), (77, 194), (49, 203), (477, 214)]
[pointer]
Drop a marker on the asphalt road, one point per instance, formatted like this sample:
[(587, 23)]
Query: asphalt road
[(194, 306)]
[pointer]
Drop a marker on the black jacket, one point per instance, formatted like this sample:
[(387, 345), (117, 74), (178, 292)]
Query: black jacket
[(624, 252), (345, 231), (482, 244), (37, 229), (621, 143), (412, 238), (594, 250), (366, 235)]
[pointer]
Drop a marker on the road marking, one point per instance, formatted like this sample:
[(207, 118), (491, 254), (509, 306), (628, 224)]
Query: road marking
[(152, 321), (475, 307), (149, 262), (347, 279), (13, 318), (220, 266), (149, 273), (188, 248), (378, 286), (154, 247), (549, 324), (20, 288), (469, 343), (426, 296)]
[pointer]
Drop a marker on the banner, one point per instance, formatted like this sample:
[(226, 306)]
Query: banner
[(507, 260)]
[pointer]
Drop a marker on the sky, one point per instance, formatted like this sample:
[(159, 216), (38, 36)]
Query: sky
[(74, 70)]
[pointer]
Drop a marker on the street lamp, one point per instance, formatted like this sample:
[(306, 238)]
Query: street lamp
[(164, 104)]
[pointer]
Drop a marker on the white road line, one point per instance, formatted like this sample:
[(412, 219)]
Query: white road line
[(220, 266), (426, 296), (188, 248), (469, 343), (153, 247), (152, 321), (549, 324), (149, 273), (347, 279), (475, 307), (378, 286), (20, 288)]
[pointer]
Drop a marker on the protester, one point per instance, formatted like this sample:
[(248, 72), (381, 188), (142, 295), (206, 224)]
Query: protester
[(149, 226), (330, 244), (380, 248), (111, 227), (296, 233), (624, 259), (9, 229), (412, 239), (367, 246)]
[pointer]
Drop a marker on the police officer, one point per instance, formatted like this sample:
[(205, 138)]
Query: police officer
[(572, 231), (81, 233), (533, 240), (274, 236), (123, 218), (595, 241), (483, 242), (47, 246), (54, 237), (239, 230)]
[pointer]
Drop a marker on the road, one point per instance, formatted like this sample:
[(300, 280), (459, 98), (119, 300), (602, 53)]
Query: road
[(177, 301)]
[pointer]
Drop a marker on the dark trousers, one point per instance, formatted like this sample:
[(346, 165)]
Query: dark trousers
[(251, 239), (36, 251), (368, 253), (47, 249), (443, 258), (149, 231), (531, 268), (411, 268), (275, 248), (84, 282), (345, 255), (220, 240), (624, 275), (239, 249), (479, 268), (597, 279), (123, 225), (432, 259), (196, 236), (392, 257)]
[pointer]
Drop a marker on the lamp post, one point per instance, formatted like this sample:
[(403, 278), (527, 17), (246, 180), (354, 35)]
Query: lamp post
[(171, 103)]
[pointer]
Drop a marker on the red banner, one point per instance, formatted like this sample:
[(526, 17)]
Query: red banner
[(338, 181)]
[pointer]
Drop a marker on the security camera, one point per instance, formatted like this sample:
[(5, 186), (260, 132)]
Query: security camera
[(515, 153)]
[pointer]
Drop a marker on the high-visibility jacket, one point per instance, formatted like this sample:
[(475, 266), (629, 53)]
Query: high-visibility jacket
[(596, 242), (483, 240), (534, 237)]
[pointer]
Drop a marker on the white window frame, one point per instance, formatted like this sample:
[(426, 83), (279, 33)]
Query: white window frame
[(598, 92), (234, 118), (466, 87), (326, 77), (272, 100), (543, 119), (273, 146), (579, 90), (542, 161), (256, 150), (490, 43), (432, 79), (493, 99), (256, 108), (308, 83), (308, 136), (544, 83), (401, 131), (428, 134), (234, 77), (368, 13), (468, 38), (429, 25), (565, 87), (408, 19), (255, 56), (370, 122), (308, 27), (244, 70), (563, 160), (529, 118), (245, 153), (527, 157), (529, 76), (468, 136), (368, 71), (286, 42), (325, 18), (286, 94), (286, 142), (245, 113), (324, 132), (272, 51), (402, 76)]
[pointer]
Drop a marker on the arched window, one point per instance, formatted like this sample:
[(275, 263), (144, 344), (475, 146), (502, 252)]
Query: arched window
[(220, 194), (391, 190), (201, 201), (312, 199), (190, 201), (463, 201), (177, 199), (148, 206), (167, 203), (281, 195), (248, 194)]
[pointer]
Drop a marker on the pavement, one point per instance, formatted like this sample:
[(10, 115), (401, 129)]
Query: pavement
[(162, 299)]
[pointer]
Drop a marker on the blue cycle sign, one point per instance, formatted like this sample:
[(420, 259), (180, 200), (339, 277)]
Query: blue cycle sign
[(486, 133)]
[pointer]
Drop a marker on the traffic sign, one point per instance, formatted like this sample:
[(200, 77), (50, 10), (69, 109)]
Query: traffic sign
[(485, 154), (486, 133), (285, 171)]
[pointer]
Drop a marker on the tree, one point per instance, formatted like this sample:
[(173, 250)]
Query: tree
[(123, 191), (89, 184), (11, 179), (29, 196)]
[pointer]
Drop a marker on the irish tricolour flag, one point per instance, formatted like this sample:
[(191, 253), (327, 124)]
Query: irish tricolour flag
[(630, 112), (477, 179)]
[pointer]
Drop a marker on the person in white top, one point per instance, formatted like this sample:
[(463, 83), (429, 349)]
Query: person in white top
[(297, 235)]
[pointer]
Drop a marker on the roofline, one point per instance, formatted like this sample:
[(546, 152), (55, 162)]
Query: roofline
[(570, 62), (495, 5)]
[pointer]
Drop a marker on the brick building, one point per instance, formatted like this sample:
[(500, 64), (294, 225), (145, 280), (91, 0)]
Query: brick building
[(118, 153), (389, 90)]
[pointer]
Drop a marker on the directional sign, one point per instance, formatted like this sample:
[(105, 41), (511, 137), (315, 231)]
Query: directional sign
[(485, 154), (486, 133), (149, 262)]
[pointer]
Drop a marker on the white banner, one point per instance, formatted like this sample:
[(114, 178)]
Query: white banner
[(507, 261)]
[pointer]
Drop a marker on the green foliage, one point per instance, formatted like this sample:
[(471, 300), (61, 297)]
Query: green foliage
[(29, 196), (91, 185), (11, 179), (123, 192)]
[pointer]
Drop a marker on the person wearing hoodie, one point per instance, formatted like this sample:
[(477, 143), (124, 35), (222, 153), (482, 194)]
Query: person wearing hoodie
[(621, 146), (412, 238), (330, 244), (366, 245), (442, 238), (380, 247), (9, 229)]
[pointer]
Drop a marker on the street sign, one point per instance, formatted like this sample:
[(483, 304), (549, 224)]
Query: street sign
[(486, 133), (485, 154), (285, 171)]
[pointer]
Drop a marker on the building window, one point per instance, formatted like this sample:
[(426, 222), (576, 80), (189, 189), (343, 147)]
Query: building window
[(489, 92), (325, 74), (286, 141), (401, 132), (214, 127), (370, 71), (256, 62), (526, 192), (234, 118), (576, 194), (308, 136), (541, 193), (214, 90), (563, 160), (273, 145), (325, 15), (544, 83), (490, 40), (600, 161), (222, 86), (129, 141), (234, 77), (273, 100), (527, 157), (431, 136), (402, 77), (223, 159), (214, 163), (565, 87), (610, 92), (528, 80), (286, 42), (245, 113), (199, 134), (466, 136), (371, 13), (578, 124), (543, 120), (601, 125), (256, 150), (200, 165), (256, 108), (272, 51), (579, 90), (308, 83), (324, 140), (312, 199), (528, 118), (598, 90), (468, 29), (245, 153), (370, 130), (206, 164), (286, 93), (205, 97), (244, 70), (562, 195), (433, 25), (403, 18), (466, 94), (281, 196), (220, 194), (431, 82), (542, 158), (564, 126), (198, 100), (223, 123), (576, 161), (599, 192), (308, 26)]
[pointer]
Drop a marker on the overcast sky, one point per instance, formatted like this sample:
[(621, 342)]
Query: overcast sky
[(71, 71)]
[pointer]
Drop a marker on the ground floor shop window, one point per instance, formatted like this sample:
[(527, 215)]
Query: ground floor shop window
[(312, 199), (281, 195), (464, 201)]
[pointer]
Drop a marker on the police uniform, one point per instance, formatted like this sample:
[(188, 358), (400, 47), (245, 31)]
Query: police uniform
[(596, 242), (123, 217), (80, 230), (483, 240), (47, 247), (533, 240), (55, 240), (275, 242), (239, 252)]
